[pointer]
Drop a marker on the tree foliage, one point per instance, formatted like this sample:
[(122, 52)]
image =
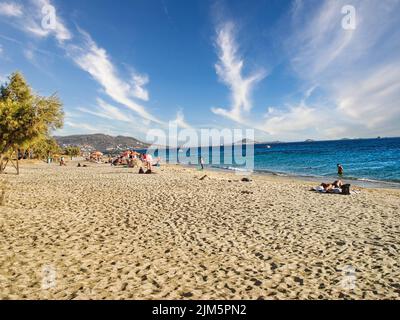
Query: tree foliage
[(26, 118), (72, 151), (45, 147)]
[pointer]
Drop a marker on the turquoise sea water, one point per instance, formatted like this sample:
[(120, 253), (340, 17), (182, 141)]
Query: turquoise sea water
[(364, 159), (372, 159)]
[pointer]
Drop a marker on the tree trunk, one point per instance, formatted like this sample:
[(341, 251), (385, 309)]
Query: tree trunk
[(4, 161), (1, 164), (2, 194)]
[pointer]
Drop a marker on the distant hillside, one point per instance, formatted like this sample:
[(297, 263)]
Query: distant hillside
[(101, 142), (272, 142), (247, 141)]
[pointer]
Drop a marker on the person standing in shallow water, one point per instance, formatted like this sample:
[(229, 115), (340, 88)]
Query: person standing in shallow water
[(340, 169)]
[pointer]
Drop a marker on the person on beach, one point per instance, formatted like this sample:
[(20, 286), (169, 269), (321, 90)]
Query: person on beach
[(201, 161), (340, 169), (149, 162), (62, 162), (330, 186), (116, 162)]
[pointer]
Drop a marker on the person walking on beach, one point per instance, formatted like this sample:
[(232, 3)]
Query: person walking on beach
[(340, 169), (201, 161)]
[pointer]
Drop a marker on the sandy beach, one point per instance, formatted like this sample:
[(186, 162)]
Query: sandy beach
[(108, 233)]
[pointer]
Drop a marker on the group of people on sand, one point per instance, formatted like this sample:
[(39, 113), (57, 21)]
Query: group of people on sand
[(332, 186), (142, 160), (336, 187)]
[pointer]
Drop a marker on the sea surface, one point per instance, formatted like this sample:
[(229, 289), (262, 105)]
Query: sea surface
[(369, 160)]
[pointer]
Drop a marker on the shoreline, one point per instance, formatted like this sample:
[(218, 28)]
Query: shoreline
[(358, 182), (317, 180)]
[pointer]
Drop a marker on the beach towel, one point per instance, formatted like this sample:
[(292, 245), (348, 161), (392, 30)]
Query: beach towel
[(321, 189)]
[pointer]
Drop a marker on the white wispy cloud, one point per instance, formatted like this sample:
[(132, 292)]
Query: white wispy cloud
[(180, 121), (290, 122), (230, 72), (373, 99), (138, 83), (61, 32), (75, 123), (358, 70), (95, 61), (82, 126), (318, 39), (91, 58), (10, 9), (310, 91), (29, 54), (107, 111), (29, 17)]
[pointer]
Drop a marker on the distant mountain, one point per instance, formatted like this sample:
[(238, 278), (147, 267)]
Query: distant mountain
[(272, 142), (101, 142), (247, 141)]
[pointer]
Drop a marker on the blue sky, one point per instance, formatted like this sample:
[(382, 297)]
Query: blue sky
[(288, 69)]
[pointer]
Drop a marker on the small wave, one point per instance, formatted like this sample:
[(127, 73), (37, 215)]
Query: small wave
[(230, 168), (373, 180), (384, 183), (275, 173)]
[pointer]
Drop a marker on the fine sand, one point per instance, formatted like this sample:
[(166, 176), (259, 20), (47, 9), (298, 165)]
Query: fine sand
[(109, 233)]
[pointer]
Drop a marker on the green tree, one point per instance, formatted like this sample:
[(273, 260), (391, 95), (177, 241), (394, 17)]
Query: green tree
[(25, 118), (45, 147), (72, 151)]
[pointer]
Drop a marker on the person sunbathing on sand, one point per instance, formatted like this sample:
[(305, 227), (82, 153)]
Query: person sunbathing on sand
[(116, 162), (330, 186)]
